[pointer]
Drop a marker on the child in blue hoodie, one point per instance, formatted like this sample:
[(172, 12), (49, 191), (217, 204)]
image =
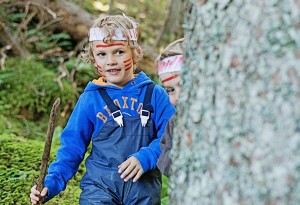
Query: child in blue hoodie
[(124, 116)]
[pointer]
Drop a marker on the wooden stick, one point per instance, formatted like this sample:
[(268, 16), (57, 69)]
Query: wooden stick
[(47, 147)]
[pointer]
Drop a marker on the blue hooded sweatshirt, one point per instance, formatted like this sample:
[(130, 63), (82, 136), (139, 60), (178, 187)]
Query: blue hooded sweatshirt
[(89, 116)]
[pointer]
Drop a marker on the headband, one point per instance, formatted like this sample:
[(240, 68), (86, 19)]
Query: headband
[(170, 64), (96, 34)]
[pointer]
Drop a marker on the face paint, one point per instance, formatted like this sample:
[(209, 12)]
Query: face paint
[(109, 45), (128, 64), (100, 70), (169, 78)]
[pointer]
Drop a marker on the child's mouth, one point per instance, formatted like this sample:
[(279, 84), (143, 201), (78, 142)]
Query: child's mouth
[(113, 71)]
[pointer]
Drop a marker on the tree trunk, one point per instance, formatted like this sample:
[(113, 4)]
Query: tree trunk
[(172, 23), (237, 138), (76, 21)]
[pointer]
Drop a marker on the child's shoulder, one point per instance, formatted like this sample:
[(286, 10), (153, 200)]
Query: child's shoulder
[(159, 94), (160, 89)]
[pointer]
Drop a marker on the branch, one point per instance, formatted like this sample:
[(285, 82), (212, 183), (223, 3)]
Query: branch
[(3, 56), (7, 38), (47, 148)]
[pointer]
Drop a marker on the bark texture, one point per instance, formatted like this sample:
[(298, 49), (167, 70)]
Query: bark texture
[(237, 139)]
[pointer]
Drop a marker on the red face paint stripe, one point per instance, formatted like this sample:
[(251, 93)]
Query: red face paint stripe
[(109, 45), (127, 60), (169, 78), (127, 68), (100, 70), (126, 65)]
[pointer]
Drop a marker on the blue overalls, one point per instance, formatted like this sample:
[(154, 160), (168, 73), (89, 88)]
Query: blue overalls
[(113, 145)]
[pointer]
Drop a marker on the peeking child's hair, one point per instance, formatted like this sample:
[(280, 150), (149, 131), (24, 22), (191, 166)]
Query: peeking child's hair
[(173, 49), (170, 60), (110, 28)]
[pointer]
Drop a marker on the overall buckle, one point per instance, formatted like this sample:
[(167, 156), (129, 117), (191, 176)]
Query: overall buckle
[(144, 117), (118, 117)]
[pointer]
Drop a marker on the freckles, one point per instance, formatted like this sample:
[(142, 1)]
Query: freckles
[(128, 64)]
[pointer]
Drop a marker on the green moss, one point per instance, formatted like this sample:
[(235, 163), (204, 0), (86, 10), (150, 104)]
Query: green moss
[(29, 89), (164, 192), (20, 164)]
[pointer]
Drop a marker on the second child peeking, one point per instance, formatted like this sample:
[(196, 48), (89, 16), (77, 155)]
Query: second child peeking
[(124, 116)]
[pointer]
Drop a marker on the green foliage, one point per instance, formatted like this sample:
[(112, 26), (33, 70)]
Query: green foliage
[(149, 13), (19, 166), (20, 126), (36, 36), (84, 73), (28, 88), (49, 41), (164, 192)]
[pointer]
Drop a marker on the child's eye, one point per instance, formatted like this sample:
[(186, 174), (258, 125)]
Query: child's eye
[(170, 91), (119, 52), (100, 54)]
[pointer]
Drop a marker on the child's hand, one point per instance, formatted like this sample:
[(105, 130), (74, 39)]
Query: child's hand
[(130, 168), (34, 195)]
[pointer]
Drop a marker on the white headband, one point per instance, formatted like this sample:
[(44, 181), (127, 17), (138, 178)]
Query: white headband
[(96, 34), (170, 64)]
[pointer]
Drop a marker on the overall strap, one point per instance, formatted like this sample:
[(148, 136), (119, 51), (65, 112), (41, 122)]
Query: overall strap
[(148, 96), (115, 110), (147, 107)]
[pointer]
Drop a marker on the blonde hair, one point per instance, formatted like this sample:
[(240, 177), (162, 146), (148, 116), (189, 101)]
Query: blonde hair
[(109, 24), (173, 49)]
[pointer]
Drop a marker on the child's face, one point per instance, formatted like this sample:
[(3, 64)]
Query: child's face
[(114, 61), (171, 82)]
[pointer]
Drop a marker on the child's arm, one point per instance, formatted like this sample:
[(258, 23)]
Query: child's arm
[(164, 161), (74, 141)]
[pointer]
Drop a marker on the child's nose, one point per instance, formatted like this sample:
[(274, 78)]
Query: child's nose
[(111, 60)]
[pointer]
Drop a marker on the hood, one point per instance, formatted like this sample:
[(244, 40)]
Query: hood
[(140, 80)]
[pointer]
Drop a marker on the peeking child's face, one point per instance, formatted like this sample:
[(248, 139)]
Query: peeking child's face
[(171, 82), (114, 61)]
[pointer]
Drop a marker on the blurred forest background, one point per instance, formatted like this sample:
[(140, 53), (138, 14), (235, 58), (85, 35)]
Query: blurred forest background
[(40, 44)]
